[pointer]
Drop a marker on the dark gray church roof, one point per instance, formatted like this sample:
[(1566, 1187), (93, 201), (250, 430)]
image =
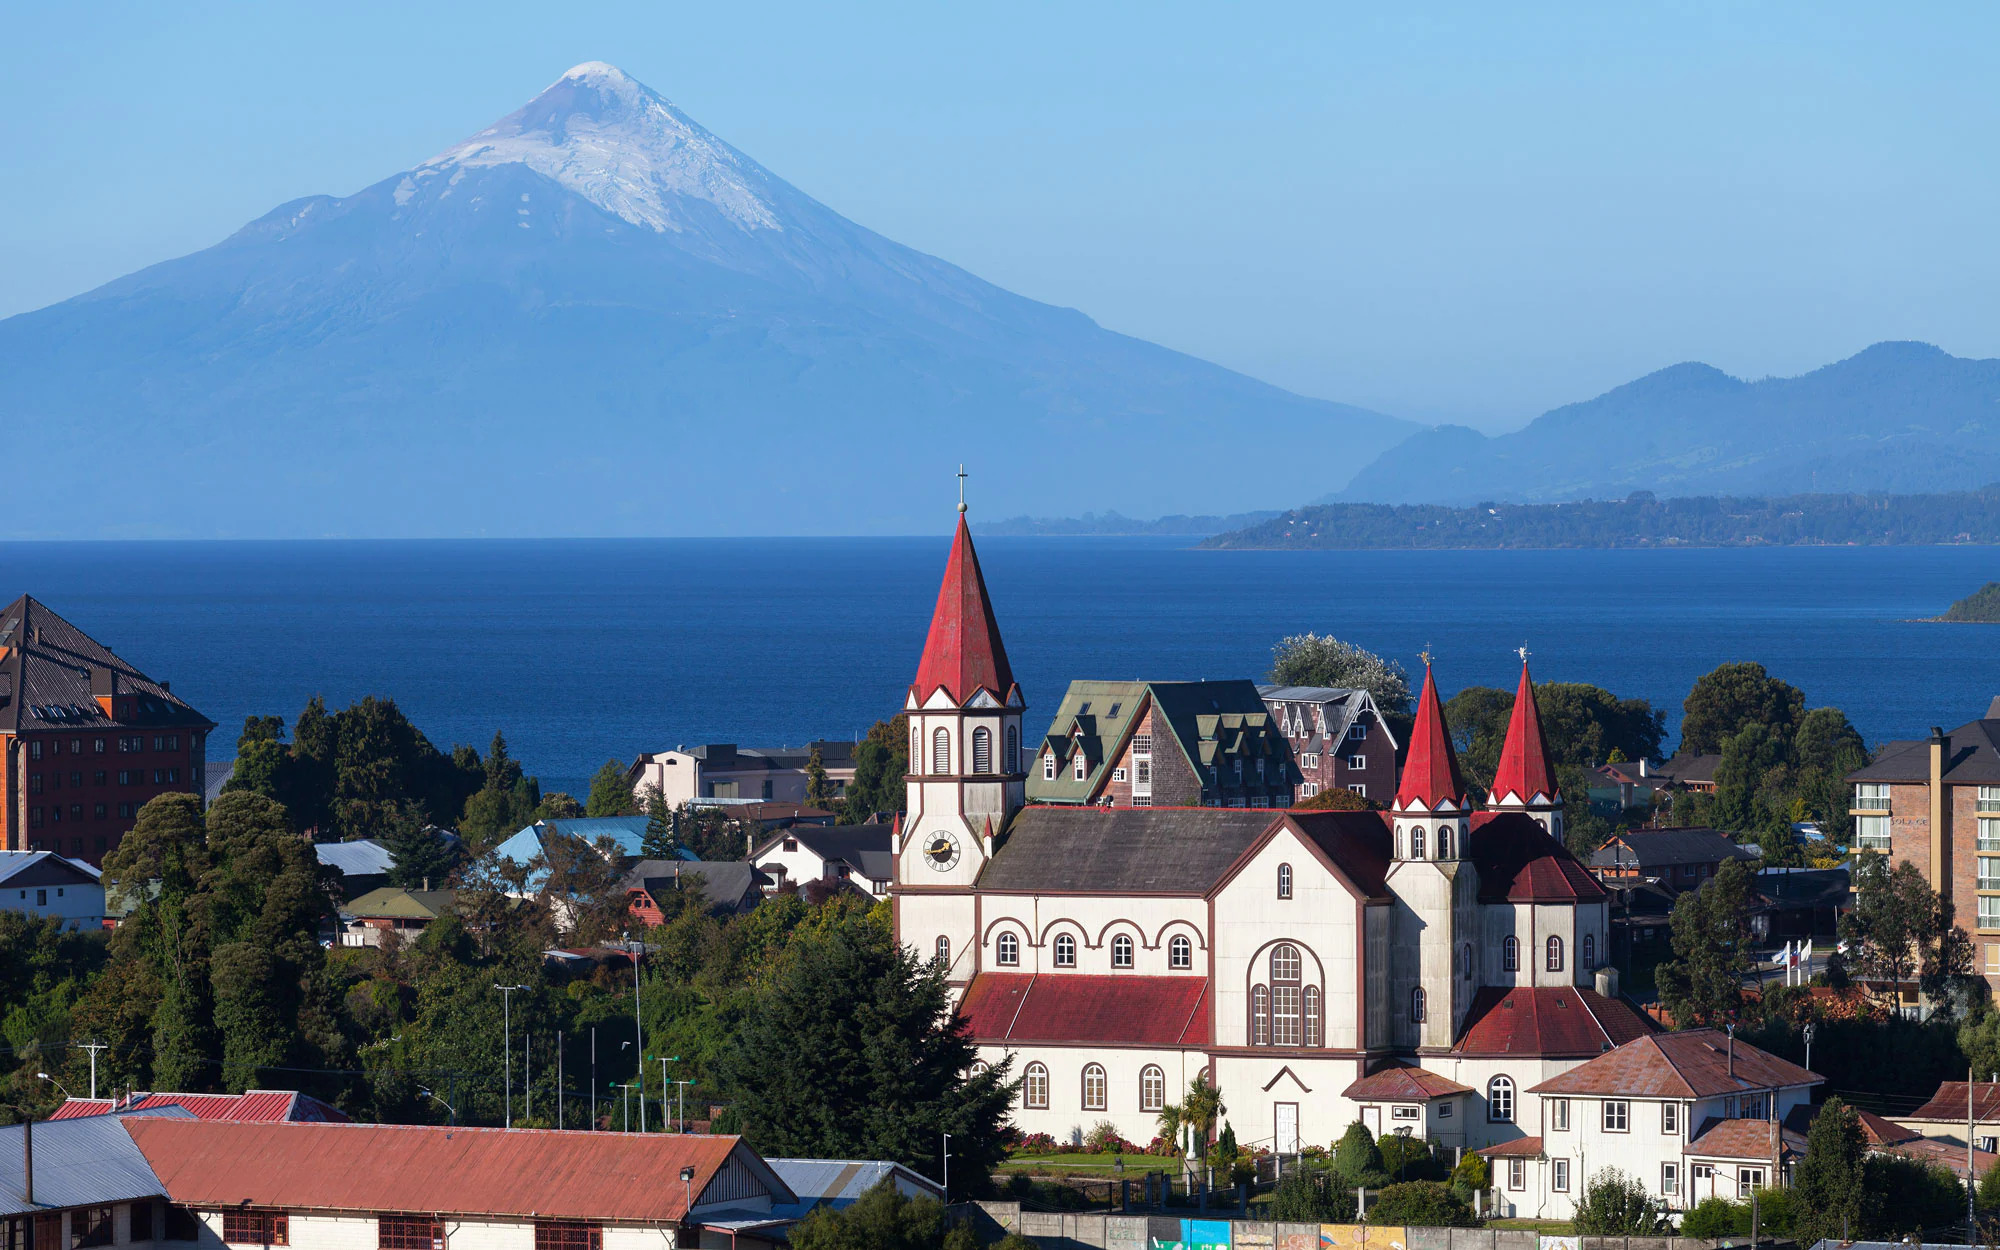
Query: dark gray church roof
[(1164, 850)]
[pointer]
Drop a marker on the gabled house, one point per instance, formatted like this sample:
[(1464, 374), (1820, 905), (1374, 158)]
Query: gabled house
[(729, 888), (1338, 738), (723, 770), (856, 855), (1163, 744), (1677, 859), (45, 885), (406, 912)]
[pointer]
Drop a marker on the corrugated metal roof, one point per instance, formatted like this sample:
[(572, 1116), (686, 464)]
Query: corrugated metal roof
[(269, 1105), (364, 857), (79, 1163), (841, 1181), (522, 1173)]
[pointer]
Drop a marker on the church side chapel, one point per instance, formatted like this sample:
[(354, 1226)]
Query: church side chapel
[(1417, 969)]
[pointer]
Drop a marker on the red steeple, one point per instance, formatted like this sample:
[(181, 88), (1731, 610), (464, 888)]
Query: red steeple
[(1524, 770), (963, 653), (1430, 773)]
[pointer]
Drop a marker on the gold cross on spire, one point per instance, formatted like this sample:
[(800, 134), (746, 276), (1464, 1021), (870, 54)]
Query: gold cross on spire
[(1425, 655), (1522, 651), (961, 488)]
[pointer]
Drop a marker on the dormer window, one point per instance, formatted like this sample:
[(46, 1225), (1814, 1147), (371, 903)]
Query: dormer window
[(1079, 768)]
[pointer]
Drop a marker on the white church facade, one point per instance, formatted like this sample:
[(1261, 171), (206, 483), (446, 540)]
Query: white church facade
[(1419, 969)]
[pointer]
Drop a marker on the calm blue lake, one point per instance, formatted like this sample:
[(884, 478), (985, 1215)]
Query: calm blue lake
[(589, 649)]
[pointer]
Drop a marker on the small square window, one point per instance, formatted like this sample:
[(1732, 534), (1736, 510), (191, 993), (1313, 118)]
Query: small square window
[(1617, 1116)]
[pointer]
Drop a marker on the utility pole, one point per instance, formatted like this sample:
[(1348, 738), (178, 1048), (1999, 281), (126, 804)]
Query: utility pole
[(559, 1080), (528, 1074), (666, 1093), (947, 1167), (638, 1028), (681, 1093), (593, 1078), (93, 1048), (507, 1042)]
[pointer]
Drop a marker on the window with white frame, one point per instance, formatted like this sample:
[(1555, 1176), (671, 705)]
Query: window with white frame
[(1309, 760), (941, 750), (1117, 774), (1416, 841), (1989, 833), (1065, 951), (1260, 1015), (1517, 1174), (1559, 1175), (1871, 796), (1670, 1117), (1095, 1087), (1417, 1000), (1989, 911), (1748, 1179), (1121, 952), (1988, 799), (1357, 761), (1287, 1016), (1313, 1037), (982, 750), (1559, 1115), (1048, 766), (1871, 833), (1035, 1087), (1180, 953), (1500, 1100), (1152, 1088), (1078, 769), (1555, 960), (1007, 950), (1284, 880), (1617, 1115), (1989, 872), (1358, 788), (1670, 1179), (1406, 1113)]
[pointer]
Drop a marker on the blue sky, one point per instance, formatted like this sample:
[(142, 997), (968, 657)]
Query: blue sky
[(1466, 213)]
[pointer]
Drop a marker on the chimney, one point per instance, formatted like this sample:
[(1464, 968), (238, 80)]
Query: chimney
[(1940, 814), (1732, 1052), (1607, 982)]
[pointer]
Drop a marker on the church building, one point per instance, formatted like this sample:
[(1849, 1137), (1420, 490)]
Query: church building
[(1419, 969)]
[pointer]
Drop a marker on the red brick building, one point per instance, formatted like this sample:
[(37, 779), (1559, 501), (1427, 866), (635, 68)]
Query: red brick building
[(87, 738), (1338, 738)]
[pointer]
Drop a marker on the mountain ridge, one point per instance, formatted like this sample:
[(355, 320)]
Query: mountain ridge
[(537, 332)]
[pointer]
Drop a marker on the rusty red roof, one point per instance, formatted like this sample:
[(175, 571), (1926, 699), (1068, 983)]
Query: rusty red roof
[(1430, 773), (1519, 862), (1745, 1139), (1553, 1021), (270, 1105), (1884, 1132), (1695, 1063), (963, 654), (1949, 1103), (1528, 1146), (523, 1173), (1071, 1007), (1937, 1151), (1403, 1083), (1524, 771)]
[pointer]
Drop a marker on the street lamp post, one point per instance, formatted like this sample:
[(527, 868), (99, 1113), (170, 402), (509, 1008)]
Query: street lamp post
[(58, 1084), (947, 1167), (507, 1042), (681, 1097), (442, 1103), (638, 1027), (627, 1087)]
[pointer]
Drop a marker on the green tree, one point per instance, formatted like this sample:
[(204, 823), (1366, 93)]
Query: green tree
[(1311, 659), (880, 763), (819, 791), (1616, 1205), (424, 860), (1906, 1195), (262, 758), (1989, 1189), (558, 805), (1829, 1187), (881, 1219), (1583, 726), (1473, 1175), (1731, 697), (1311, 1195), (1357, 1160), (1900, 930), (610, 792), (1421, 1204), (1703, 983), (663, 838), (856, 1052), (1714, 1218), (1827, 748), (167, 845)]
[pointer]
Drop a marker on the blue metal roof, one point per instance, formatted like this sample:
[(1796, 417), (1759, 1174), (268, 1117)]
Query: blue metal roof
[(85, 1162)]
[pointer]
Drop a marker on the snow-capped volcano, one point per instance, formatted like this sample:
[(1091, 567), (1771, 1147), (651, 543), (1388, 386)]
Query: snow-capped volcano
[(623, 147), (595, 317)]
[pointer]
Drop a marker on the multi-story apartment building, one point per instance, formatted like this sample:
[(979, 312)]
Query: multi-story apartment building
[(1935, 803), (1338, 739), (1163, 744), (723, 770), (87, 738)]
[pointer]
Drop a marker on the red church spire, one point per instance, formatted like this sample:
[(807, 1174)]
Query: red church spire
[(963, 653), (1430, 773), (1524, 771)]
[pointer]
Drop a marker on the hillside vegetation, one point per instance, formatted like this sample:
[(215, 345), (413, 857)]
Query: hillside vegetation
[(1981, 607)]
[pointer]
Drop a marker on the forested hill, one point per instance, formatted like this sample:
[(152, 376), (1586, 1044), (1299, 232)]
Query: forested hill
[(1640, 520)]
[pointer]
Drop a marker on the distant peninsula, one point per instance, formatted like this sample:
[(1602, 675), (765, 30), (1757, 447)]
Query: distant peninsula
[(1981, 607), (1111, 524), (1639, 520)]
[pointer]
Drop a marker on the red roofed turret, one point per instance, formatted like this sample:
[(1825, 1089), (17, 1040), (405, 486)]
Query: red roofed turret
[(963, 654), (1430, 772), (1524, 776)]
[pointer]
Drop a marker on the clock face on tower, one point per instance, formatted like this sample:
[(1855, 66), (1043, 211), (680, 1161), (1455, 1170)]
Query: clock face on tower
[(941, 851)]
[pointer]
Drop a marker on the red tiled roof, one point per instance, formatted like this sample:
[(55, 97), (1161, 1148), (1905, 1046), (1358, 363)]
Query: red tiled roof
[(1744, 1139), (1524, 758), (1694, 1063), (1529, 1146), (611, 1177), (1560, 1022), (1031, 1007), (1949, 1103), (260, 1105), (1430, 772), (1519, 862), (963, 653), (1402, 1083)]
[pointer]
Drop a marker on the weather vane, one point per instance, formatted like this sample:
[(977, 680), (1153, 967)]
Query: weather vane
[(1522, 651), (1425, 655), (961, 488)]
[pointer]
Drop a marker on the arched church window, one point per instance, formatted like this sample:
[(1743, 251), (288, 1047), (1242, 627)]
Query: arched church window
[(1260, 1015), (1286, 1008), (1065, 951), (944, 950), (1500, 1100), (1589, 952), (1008, 950), (1313, 1033), (1121, 952), (1555, 953), (1417, 1005), (1444, 841), (1284, 880), (1180, 953), (982, 750), (941, 750), (1013, 759), (1510, 954), (1035, 1087), (1093, 1087), (1416, 841), (1152, 1088)]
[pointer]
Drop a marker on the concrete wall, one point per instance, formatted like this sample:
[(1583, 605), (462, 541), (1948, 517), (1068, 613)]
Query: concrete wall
[(1073, 1231)]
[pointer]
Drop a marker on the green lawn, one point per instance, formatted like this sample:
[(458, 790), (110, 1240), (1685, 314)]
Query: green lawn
[(1135, 1165), (1552, 1228)]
